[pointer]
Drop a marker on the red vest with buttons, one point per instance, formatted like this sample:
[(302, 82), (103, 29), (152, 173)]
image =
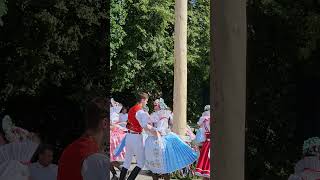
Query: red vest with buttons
[(133, 124)]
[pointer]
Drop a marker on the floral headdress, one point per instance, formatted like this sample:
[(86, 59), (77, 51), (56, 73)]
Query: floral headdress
[(206, 111), (161, 103), (311, 146), (116, 106), (14, 133), (207, 108)]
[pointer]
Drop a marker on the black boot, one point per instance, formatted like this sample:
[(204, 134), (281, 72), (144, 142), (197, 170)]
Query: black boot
[(113, 171), (123, 173), (155, 176), (134, 173), (166, 176)]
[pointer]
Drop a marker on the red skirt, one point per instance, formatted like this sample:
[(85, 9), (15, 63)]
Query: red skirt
[(203, 166)]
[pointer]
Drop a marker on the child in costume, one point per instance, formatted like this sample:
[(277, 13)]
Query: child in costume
[(123, 117)]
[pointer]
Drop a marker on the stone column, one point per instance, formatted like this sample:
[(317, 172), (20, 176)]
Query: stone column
[(180, 68), (228, 82)]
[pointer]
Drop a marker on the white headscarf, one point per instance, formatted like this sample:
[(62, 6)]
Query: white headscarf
[(206, 111), (161, 103)]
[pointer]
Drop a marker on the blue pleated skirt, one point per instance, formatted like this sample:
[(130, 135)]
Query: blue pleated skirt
[(175, 154)]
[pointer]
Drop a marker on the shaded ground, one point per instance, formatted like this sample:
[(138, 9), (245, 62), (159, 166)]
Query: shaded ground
[(144, 174)]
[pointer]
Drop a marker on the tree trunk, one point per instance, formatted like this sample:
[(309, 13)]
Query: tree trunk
[(228, 19), (180, 68)]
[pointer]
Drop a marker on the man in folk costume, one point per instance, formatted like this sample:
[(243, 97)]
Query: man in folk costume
[(203, 166), (84, 158), (308, 168), (137, 121)]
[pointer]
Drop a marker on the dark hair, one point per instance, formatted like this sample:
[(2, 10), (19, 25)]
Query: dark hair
[(124, 108), (45, 147), (40, 150), (97, 109), (141, 96)]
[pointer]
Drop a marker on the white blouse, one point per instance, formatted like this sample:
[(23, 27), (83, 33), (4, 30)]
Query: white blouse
[(39, 172), (123, 117), (161, 121), (204, 122)]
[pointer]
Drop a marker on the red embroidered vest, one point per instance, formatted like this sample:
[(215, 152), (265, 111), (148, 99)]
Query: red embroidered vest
[(70, 163), (133, 124)]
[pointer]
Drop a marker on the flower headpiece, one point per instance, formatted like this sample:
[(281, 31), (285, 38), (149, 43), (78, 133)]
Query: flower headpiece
[(311, 146), (14, 133), (115, 106), (207, 108), (161, 103), (115, 103)]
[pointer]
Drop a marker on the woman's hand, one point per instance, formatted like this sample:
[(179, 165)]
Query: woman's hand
[(151, 130)]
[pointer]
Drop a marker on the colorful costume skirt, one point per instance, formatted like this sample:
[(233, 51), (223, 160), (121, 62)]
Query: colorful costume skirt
[(203, 166), (116, 135), (166, 154)]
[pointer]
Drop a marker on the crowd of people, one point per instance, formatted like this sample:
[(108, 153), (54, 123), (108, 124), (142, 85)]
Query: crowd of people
[(17, 148), (133, 133), (150, 139), (83, 159)]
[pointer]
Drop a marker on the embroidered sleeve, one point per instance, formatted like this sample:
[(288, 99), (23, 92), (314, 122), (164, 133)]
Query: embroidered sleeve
[(143, 118)]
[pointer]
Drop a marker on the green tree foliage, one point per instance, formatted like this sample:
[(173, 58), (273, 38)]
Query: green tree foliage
[(56, 44), (283, 40), (142, 44), (54, 57), (3, 7)]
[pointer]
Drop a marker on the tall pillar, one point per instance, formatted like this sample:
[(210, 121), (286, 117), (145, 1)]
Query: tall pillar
[(228, 54), (180, 68)]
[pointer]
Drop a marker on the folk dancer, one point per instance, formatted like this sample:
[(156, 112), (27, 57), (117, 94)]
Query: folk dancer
[(165, 152), (203, 165), (117, 133), (137, 121)]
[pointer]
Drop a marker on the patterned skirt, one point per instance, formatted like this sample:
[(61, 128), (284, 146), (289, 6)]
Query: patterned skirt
[(167, 154), (203, 166), (116, 135)]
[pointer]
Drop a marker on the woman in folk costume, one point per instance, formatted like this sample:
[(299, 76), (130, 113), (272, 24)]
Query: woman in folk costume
[(165, 152), (308, 168), (117, 132), (187, 139), (16, 151), (203, 166)]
